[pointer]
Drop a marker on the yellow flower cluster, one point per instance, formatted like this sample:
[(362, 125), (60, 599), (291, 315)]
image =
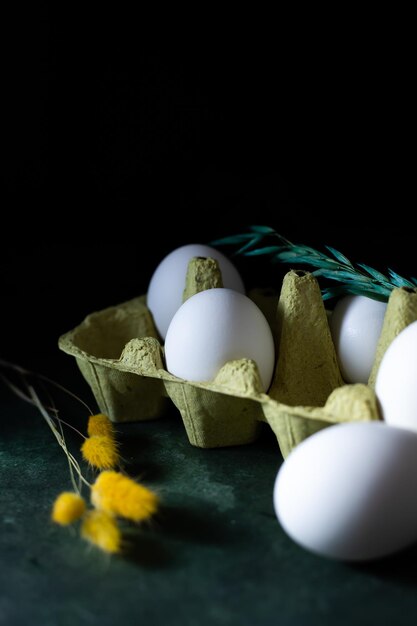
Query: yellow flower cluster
[(100, 425), (113, 494), (102, 530), (100, 451), (100, 448), (68, 508), (119, 495)]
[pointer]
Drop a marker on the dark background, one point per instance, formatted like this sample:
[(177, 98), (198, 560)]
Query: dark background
[(312, 134), (101, 137)]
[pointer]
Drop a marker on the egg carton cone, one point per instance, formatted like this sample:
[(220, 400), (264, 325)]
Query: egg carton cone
[(120, 355), (401, 312)]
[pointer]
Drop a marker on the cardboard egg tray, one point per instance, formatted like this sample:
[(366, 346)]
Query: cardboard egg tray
[(121, 357)]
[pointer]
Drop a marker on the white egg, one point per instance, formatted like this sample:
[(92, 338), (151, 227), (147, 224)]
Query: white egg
[(356, 325), (349, 491), (216, 326), (396, 381), (167, 284)]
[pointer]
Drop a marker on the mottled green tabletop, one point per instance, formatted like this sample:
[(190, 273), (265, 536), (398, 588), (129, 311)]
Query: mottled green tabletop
[(214, 555)]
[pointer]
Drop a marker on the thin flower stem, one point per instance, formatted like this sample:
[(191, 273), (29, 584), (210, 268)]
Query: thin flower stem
[(26, 372), (77, 488), (18, 392), (60, 439), (65, 390), (55, 410), (61, 421), (33, 398)]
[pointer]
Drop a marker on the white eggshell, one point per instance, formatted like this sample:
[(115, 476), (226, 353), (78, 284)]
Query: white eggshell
[(216, 326), (356, 325), (396, 381), (349, 491), (168, 281)]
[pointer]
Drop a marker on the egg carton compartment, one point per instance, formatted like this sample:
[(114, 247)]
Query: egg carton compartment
[(121, 357)]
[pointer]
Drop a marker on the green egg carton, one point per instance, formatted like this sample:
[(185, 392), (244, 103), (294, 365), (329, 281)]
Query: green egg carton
[(120, 355)]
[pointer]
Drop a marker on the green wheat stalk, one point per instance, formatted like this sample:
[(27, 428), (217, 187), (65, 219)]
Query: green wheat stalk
[(358, 279)]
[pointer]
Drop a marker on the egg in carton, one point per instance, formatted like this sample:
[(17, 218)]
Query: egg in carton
[(120, 355)]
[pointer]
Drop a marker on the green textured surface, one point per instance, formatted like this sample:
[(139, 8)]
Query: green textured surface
[(215, 555)]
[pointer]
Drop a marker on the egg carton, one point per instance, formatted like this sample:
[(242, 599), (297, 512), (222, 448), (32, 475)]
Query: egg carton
[(120, 355)]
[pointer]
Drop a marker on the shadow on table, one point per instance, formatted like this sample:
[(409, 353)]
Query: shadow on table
[(199, 524), (400, 568), (158, 545), (148, 550)]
